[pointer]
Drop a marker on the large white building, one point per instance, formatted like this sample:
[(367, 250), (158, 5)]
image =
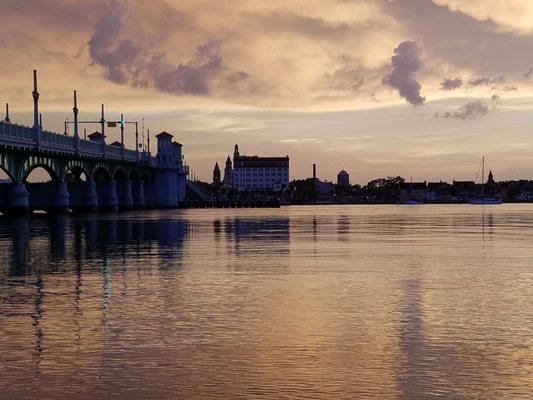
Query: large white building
[(254, 172)]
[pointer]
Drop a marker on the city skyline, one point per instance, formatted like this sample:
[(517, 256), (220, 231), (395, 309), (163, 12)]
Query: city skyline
[(291, 80)]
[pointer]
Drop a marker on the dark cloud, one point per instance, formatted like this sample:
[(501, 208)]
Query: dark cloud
[(471, 110), (406, 62), (236, 77), (451, 84), (461, 40), (107, 49), (195, 76), (129, 61), (486, 81), (498, 83)]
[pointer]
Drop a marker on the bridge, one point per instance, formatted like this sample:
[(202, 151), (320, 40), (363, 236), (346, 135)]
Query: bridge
[(86, 174)]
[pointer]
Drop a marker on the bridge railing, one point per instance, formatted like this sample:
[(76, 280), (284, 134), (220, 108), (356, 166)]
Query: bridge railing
[(113, 152), (16, 133), (130, 155), (56, 141)]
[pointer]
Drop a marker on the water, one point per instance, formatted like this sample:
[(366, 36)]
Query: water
[(368, 302)]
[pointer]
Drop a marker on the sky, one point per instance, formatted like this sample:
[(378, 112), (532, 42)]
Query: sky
[(418, 88)]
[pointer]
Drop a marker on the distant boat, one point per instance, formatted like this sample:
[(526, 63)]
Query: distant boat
[(482, 200), (411, 201)]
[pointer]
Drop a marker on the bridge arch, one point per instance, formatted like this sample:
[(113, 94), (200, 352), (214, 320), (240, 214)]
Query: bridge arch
[(51, 165), (101, 173), (120, 174), (4, 170), (123, 184), (134, 175), (49, 169), (76, 167)]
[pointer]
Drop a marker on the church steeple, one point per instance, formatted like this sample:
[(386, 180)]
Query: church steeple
[(216, 174), (236, 151), (228, 173), (490, 178)]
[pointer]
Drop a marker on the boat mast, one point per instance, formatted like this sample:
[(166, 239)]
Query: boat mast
[(483, 177)]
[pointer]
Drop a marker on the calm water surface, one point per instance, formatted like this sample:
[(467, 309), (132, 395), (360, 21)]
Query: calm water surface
[(351, 302)]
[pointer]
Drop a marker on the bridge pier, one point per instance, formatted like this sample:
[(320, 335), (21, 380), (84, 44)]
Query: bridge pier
[(83, 196), (137, 190), (18, 199), (59, 200), (107, 196), (123, 191)]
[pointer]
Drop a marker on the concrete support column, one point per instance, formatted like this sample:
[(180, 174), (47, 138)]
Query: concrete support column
[(137, 189), (91, 198), (59, 201), (181, 187), (165, 194), (108, 200), (125, 199), (147, 188), (18, 199)]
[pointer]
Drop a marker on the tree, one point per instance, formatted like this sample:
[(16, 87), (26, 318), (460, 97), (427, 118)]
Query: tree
[(385, 190)]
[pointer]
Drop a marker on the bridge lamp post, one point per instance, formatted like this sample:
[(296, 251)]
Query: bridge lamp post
[(76, 134), (122, 134), (102, 122), (36, 127)]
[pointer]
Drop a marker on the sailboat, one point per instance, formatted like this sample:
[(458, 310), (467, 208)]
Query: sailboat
[(484, 199), (411, 201)]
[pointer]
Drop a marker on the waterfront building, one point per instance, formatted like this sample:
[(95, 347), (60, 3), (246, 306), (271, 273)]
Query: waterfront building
[(324, 191), (438, 192), (413, 191), (464, 190), (254, 172), (343, 179)]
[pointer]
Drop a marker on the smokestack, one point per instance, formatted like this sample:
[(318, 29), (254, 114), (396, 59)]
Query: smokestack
[(7, 114), (314, 171)]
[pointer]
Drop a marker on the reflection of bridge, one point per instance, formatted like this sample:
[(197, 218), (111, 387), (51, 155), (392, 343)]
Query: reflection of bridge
[(86, 174)]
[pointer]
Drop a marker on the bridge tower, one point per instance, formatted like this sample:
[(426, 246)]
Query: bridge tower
[(166, 190)]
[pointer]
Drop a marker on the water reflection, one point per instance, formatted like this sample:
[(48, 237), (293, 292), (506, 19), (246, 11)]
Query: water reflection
[(308, 302)]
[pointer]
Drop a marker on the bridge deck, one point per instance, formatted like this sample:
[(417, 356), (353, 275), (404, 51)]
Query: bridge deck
[(24, 137)]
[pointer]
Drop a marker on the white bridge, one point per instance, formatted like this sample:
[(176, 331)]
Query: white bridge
[(86, 174)]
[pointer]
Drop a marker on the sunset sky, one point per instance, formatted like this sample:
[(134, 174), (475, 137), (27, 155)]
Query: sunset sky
[(419, 88)]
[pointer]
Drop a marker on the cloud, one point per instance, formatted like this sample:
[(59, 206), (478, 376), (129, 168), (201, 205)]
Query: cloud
[(132, 60), (406, 62), (528, 73), (486, 81), (498, 83), (105, 47), (471, 110), (195, 76), (451, 84)]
